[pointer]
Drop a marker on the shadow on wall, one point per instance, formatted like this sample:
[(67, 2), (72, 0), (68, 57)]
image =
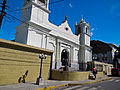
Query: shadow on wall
[(22, 79)]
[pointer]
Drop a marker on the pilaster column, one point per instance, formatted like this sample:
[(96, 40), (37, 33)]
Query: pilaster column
[(57, 59), (71, 54), (43, 41), (47, 41)]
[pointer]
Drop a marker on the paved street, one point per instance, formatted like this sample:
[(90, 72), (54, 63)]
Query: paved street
[(113, 84)]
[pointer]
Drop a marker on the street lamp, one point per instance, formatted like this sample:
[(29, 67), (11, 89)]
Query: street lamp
[(40, 79)]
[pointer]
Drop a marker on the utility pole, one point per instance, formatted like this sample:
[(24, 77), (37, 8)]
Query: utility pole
[(2, 12)]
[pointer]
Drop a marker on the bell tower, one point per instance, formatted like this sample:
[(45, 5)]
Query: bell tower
[(34, 18), (35, 11), (82, 31)]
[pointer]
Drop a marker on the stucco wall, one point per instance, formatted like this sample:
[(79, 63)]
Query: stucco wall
[(100, 66), (87, 40), (21, 34), (72, 76), (18, 61), (38, 13), (35, 39)]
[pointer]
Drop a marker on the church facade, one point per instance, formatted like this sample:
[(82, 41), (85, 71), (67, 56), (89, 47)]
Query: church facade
[(36, 30)]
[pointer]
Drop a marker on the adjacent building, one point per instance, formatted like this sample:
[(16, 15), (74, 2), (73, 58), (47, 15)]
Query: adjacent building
[(36, 30), (103, 52), (117, 58)]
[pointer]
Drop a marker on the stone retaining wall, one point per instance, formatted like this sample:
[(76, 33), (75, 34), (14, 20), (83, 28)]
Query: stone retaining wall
[(20, 63)]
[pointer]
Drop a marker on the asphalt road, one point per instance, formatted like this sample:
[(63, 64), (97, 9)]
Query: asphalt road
[(113, 84)]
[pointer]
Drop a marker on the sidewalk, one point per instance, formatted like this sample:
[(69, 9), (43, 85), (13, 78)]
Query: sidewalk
[(49, 84)]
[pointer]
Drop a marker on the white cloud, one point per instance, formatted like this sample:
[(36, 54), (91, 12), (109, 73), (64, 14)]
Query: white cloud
[(92, 29), (91, 34), (70, 5)]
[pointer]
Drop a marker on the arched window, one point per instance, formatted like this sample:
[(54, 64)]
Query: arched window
[(86, 30), (65, 57)]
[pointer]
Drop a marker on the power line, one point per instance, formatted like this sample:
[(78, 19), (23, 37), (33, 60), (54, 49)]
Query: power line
[(56, 1), (30, 24), (2, 12), (14, 10), (19, 15), (26, 22), (16, 18), (22, 21), (24, 9)]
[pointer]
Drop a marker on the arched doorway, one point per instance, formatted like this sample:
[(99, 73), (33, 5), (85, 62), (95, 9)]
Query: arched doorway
[(65, 57)]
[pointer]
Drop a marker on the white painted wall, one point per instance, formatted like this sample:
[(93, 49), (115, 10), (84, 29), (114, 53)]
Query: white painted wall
[(38, 15), (26, 14), (87, 40), (35, 39), (88, 56), (43, 34), (21, 34), (53, 47), (75, 55)]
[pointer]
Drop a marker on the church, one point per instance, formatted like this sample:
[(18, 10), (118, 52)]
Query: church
[(69, 49)]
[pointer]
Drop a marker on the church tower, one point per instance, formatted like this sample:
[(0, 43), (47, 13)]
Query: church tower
[(35, 11), (33, 26), (82, 30)]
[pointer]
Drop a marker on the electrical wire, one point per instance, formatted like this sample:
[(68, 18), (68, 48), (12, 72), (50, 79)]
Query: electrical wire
[(26, 22), (13, 10), (32, 25), (22, 21), (56, 1), (30, 1)]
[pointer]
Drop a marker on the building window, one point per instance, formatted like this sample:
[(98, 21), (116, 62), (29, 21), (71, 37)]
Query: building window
[(86, 30), (43, 1), (66, 28)]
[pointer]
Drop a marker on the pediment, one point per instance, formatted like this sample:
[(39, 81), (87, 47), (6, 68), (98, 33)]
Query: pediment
[(65, 27)]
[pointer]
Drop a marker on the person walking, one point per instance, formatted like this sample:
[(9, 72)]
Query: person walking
[(94, 72)]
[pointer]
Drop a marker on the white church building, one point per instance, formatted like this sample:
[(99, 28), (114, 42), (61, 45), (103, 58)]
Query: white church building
[(36, 30)]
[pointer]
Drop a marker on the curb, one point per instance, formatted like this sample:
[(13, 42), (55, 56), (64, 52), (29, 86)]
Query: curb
[(52, 87), (72, 84)]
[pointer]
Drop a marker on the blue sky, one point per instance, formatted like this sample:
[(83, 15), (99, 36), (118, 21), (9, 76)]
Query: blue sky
[(102, 15)]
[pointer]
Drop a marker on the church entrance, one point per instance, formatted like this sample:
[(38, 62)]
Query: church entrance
[(65, 57)]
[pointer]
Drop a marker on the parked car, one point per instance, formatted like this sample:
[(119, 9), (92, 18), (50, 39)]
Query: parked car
[(115, 71)]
